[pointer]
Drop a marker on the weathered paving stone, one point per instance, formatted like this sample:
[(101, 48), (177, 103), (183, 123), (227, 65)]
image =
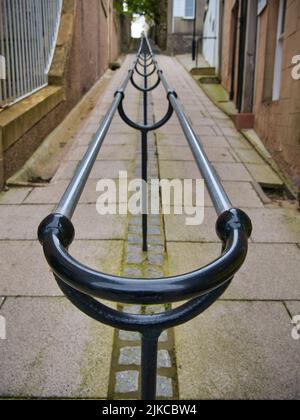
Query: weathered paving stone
[(155, 259), (52, 193), (129, 336), (164, 387), (154, 230), (262, 276), (232, 172), (154, 309), (179, 170), (238, 142), (250, 156), (132, 309), (293, 308), (119, 152), (158, 249), (154, 220), (275, 225), (163, 337), (135, 229), (135, 221), (241, 350), (21, 222), (40, 333), (135, 258), (132, 356), (178, 231), (264, 175), (155, 240), (89, 224), (127, 382), (134, 239), (133, 272), (14, 196), (152, 272)]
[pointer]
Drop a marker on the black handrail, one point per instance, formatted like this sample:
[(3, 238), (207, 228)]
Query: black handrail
[(200, 288)]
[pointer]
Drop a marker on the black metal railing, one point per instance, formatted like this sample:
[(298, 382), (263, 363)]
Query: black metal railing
[(201, 288)]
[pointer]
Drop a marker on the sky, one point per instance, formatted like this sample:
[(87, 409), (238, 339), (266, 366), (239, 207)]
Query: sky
[(138, 26)]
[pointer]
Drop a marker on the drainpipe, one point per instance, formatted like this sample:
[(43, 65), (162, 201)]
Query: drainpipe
[(194, 46), (236, 9), (242, 48)]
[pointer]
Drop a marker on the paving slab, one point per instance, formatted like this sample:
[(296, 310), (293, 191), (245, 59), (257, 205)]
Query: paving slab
[(264, 175), (24, 271), (239, 142), (293, 307), (173, 153), (270, 272), (178, 231), (40, 333), (14, 196), (275, 225), (101, 170), (91, 225), (21, 222), (241, 194), (52, 193), (243, 350), (213, 141), (117, 152), (111, 139), (232, 172), (179, 170), (250, 156)]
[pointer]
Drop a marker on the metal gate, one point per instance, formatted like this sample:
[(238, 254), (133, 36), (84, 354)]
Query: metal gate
[(28, 34)]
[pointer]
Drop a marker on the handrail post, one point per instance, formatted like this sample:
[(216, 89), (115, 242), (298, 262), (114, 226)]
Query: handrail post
[(144, 149), (149, 364)]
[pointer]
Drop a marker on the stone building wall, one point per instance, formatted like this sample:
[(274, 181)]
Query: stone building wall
[(89, 39)]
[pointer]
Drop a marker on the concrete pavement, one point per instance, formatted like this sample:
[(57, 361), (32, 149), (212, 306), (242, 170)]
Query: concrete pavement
[(240, 348)]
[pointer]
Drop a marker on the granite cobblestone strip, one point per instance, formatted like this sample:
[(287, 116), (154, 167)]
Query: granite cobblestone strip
[(125, 378)]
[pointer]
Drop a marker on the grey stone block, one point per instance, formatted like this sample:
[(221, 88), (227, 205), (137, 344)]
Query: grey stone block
[(127, 382)]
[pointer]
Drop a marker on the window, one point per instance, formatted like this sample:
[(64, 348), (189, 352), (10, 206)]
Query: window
[(189, 9), (279, 50)]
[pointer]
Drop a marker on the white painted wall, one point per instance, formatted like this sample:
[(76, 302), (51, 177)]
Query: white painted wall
[(211, 30)]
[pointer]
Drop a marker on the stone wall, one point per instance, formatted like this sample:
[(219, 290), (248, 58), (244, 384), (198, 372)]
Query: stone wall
[(89, 39)]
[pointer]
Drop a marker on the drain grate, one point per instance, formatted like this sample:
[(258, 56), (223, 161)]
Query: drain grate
[(278, 193)]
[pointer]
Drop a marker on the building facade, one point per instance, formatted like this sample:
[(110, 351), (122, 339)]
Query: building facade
[(78, 38), (181, 19), (212, 33), (259, 56)]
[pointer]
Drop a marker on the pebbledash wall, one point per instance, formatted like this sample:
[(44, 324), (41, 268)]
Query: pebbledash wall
[(91, 35), (271, 85)]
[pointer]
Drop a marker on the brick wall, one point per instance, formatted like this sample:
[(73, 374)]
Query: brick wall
[(276, 122)]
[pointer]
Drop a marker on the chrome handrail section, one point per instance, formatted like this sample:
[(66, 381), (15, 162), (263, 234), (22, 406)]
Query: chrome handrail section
[(200, 288)]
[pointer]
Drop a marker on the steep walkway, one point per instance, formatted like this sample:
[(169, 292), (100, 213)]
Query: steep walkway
[(241, 348)]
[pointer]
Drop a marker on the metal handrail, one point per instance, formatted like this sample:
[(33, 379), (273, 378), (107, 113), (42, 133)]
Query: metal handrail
[(200, 288)]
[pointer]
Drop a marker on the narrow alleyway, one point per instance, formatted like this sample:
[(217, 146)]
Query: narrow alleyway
[(240, 348)]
